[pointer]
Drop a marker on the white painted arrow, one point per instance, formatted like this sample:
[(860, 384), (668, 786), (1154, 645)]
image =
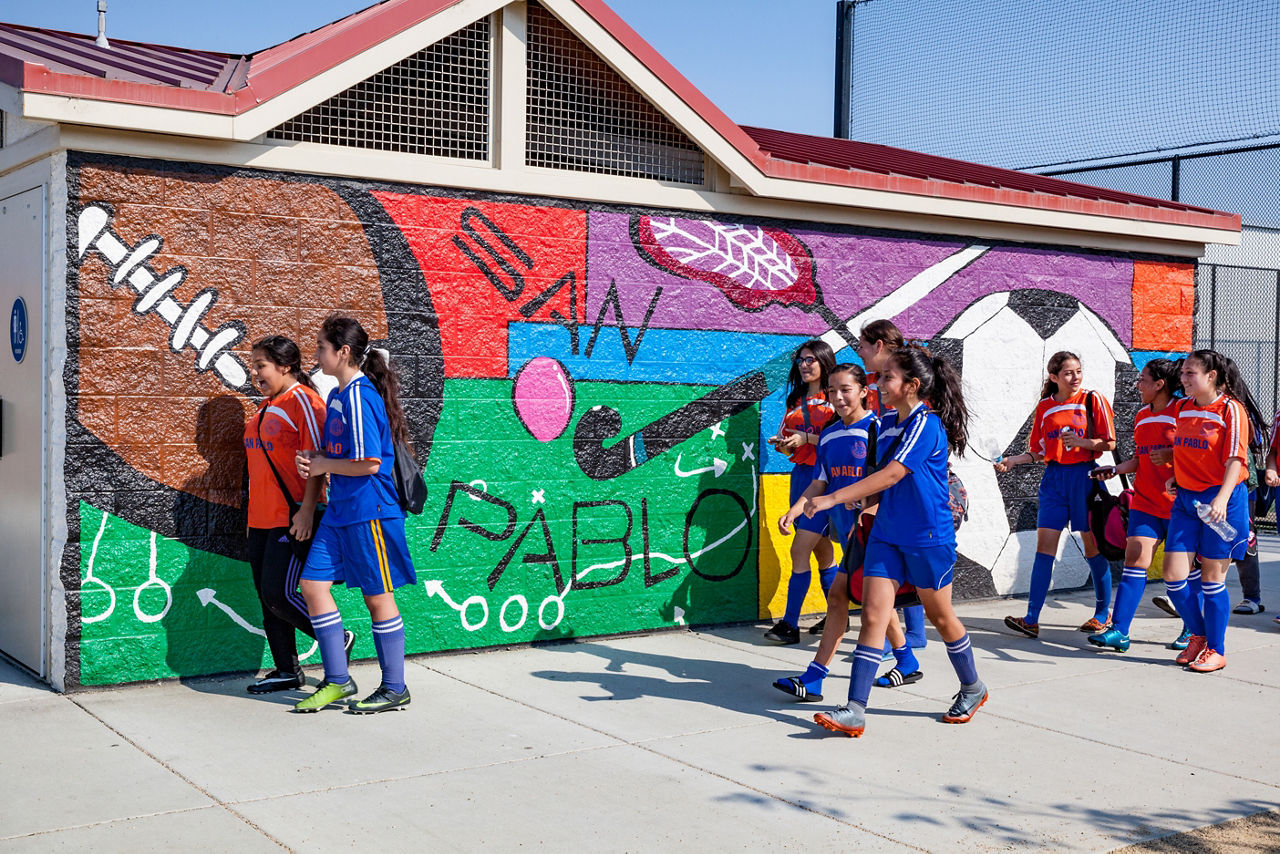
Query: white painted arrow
[(436, 588), (717, 465), (208, 595)]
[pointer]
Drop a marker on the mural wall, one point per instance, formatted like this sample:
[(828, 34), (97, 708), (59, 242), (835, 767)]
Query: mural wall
[(589, 389)]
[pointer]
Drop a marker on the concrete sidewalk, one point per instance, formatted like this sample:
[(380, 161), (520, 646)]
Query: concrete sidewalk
[(675, 739)]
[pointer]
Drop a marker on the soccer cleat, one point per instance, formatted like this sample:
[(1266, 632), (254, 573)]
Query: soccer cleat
[(1018, 624), (966, 703), (1195, 646), (348, 641), (850, 719), (1113, 638), (1208, 661), (1184, 637), (277, 680), (1166, 605), (1093, 625), (326, 694), (382, 700), (783, 633)]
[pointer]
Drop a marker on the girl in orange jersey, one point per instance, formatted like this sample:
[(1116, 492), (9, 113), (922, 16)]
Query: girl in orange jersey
[(288, 420), (1059, 438), (807, 413), (1152, 466), (1210, 445)]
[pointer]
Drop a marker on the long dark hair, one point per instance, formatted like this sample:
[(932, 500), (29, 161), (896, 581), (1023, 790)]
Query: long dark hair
[(1167, 371), (1231, 382), (940, 386), (797, 388), (343, 331), (284, 353), (1055, 364)]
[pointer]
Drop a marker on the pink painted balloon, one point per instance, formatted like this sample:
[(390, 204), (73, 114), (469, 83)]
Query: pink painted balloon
[(543, 397)]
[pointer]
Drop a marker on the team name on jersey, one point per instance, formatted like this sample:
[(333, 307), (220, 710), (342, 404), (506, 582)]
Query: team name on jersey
[(848, 471), (1191, 442), (255, 442)]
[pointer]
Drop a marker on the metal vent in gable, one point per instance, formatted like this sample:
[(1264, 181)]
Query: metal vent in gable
[(434, 102)]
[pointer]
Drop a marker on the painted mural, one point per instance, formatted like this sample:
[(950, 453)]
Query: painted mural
[(588, 389)]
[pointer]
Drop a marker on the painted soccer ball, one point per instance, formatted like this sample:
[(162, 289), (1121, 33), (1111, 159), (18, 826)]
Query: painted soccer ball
[(1002, 343)]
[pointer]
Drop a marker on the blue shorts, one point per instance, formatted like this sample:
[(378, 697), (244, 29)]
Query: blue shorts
[(370, 555), (840, 520), (801, 477), (927, 567), (1064, 496), (1145, 525), (1188, 534)]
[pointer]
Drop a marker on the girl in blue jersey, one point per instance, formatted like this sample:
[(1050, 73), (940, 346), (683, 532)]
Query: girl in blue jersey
[(807, 413), (843, 459), (360, 540), (914, 538)]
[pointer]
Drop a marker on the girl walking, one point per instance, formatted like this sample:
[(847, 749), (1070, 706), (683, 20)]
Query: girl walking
[(1071, 429), (807, 413), (1210, 447), (287, 421), (914, 538), (361, 540), (1149, 509)]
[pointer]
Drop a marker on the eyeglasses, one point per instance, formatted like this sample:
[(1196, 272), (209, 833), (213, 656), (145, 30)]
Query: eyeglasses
[(805, 361)]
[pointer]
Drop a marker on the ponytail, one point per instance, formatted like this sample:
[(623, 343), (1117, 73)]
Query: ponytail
[(1232, 383), (342, 331), (940, 386), (284, 353), (1056, 361), (1167, 371)]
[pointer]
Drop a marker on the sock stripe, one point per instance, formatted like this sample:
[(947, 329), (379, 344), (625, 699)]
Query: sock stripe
[(1175, 586), (960, 645), (1131, 572), (1194, 576), (867, 653), (1212, 589), (332, 618), (392, 625)]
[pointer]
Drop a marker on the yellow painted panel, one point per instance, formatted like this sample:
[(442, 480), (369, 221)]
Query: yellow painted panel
[(775, 554)]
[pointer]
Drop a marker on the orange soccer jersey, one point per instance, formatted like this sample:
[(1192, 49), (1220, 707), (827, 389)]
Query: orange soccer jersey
[(1052, 417), (290, 422), (1153, 431), (808, 416), (1207, 438)]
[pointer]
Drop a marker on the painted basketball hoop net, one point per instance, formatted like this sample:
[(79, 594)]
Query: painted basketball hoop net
[(129, 264)]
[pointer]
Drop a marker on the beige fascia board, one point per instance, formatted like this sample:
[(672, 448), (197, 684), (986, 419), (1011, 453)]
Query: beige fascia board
[(40, 144), (112, 114), (258, 120), (315, 159)]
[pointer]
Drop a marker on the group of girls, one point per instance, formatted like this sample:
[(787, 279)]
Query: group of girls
[(294, 441), (1191, 463), (912, 538)]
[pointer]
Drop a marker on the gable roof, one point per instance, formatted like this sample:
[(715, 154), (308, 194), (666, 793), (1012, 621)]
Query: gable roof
[(66, 64)]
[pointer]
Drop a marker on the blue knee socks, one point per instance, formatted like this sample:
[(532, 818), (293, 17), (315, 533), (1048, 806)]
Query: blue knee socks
[(826, 576), (797, 589), (913, 620), (961, 654), (1217, 604), (1128, 595), (1100, 571), (866, 660), (813, 676), (905, 660), (388, 639), (1182, 597), (329, 634), (1041, 576)]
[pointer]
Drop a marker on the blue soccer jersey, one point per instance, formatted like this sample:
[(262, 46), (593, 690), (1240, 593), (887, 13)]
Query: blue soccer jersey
[(915, 511), (842, 460), (356, 428)]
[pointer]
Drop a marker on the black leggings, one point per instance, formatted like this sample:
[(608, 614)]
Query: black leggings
[(275, 574)]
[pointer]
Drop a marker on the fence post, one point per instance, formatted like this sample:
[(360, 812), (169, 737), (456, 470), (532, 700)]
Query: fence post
[(1213, 306)]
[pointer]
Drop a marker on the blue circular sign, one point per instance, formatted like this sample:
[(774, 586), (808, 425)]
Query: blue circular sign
[(18, 329)]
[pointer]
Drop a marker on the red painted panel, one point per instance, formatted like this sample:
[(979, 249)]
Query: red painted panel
[(489, 264)]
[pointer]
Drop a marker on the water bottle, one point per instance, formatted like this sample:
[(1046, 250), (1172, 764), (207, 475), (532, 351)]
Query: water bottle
[(992, 449), (1223, 529)]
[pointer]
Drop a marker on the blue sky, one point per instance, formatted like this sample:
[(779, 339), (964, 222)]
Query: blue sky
[(760, 66)]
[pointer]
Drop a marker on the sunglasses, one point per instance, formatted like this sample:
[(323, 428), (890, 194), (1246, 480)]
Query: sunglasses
[(805, 361)]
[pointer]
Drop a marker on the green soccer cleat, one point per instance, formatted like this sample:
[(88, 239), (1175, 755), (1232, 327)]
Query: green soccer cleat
[(326, 694), (382, 700)]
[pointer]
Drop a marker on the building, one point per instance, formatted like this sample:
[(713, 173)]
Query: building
[(590, 278)]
